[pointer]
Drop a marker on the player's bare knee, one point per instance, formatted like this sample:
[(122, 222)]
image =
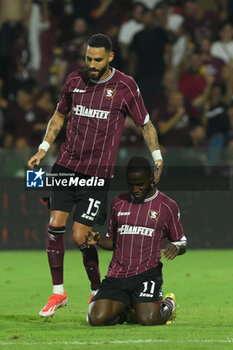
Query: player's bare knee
[(149, 322), (54, 222), (80, 232), (149, 319), (96, 319), (58, 218), (78, 238)]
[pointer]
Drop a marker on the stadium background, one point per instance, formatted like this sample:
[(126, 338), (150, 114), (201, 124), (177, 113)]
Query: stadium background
[(36, 53)]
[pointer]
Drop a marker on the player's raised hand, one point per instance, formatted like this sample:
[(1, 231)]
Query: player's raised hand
[(170, 251), (92, 237), (158, 170), (35, 160)]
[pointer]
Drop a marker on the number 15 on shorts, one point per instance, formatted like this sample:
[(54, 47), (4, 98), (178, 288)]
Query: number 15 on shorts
[(92, 210)]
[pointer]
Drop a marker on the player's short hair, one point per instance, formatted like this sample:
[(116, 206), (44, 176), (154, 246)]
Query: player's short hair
[(100, 40), (139, 164)]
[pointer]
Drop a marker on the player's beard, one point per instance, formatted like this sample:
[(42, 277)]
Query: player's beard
[(101, 72), (144, 195)]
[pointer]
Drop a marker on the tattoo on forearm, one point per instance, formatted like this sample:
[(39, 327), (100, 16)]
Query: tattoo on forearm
[(150, 136), (53, 130), (56, 132)]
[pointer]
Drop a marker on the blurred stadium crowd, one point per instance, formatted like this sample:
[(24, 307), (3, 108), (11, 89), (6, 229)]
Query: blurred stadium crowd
[(180, 52)]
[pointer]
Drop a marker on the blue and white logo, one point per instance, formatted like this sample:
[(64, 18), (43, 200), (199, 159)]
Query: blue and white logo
[(35, 178)]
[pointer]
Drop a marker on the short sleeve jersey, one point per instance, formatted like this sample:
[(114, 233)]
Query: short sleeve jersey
[(97, 116), (138, 231)]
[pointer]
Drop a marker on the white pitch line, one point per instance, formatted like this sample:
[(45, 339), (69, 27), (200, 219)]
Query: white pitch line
[(228, 340)]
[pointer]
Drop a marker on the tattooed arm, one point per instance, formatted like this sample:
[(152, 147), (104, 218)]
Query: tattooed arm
[(54, 126), (151, 138)]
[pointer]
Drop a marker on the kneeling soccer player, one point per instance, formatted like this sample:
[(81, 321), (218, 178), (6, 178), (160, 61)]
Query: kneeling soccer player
[(139, 222)]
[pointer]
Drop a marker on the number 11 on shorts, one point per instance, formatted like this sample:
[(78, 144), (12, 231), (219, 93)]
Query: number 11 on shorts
[(146, 286)]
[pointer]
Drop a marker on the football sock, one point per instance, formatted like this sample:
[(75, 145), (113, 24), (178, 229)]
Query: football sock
[(167, 306), (91, 264), (58, 289), (55, 252)]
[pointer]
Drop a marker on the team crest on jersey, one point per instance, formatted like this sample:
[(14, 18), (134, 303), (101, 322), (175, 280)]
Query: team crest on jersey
[(153, 215), (109, 93)]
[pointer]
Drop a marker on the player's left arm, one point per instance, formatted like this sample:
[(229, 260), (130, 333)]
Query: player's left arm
[(151, 138), (175, 248), (178, 244), (135, 107)]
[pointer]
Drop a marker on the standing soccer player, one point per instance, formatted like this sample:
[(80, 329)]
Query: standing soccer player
[(98, 98), (139, 222)]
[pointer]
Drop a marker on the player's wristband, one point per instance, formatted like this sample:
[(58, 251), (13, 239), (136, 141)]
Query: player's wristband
[(156, 155), (44, 145), (177, 245), (180, 243)]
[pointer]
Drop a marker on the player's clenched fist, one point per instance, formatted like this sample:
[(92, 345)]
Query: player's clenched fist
[(170, 252), (35, 160), (92, 238)]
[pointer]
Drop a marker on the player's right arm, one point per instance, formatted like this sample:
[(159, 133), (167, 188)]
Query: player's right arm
[(103, 242), (54, 126)]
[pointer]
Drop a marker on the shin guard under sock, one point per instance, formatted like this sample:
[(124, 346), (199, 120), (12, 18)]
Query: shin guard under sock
[(55, 251), (91, 264)]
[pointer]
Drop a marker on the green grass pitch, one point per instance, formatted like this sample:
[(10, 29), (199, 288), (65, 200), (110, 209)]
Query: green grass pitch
[(201, 279)]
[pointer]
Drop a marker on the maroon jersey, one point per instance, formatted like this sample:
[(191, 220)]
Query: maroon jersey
[(98, 112), (138, 231)]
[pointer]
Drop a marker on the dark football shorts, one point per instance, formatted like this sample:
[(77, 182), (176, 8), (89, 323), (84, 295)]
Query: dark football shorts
[(143, 288), (90, 200)]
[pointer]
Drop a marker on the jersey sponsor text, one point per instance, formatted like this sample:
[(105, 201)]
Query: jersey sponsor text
[(90, 112), (135, 230)]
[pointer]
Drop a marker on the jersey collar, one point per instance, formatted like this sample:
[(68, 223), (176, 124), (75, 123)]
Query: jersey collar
[(104, 80), (152, 197)]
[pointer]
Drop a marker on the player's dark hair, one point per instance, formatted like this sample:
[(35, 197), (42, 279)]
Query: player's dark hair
[(100, 40), (139, 164)]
